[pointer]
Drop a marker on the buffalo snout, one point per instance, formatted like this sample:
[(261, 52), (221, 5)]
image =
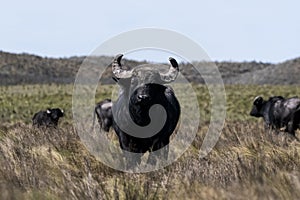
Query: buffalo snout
[(254, 112)]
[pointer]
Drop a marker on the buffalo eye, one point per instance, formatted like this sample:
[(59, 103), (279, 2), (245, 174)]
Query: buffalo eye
[(258, 101)]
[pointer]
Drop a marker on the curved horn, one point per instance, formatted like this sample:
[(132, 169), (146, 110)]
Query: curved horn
[(172, 73), (257, 100), (117, 68)]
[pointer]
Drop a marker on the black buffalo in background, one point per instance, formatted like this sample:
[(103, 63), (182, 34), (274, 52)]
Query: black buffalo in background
[(48, 118), (104, 114), (140, 89), (278, 112)]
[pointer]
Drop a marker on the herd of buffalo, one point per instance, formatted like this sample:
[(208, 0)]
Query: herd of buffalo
[(142, 88)]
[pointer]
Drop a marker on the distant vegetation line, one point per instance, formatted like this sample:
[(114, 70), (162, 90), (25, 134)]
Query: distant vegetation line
[(18, 69)]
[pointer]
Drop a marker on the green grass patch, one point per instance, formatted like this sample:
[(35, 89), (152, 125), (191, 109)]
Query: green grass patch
[(19, 103)]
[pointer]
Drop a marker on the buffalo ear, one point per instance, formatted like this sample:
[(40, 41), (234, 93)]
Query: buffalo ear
[(258, 101), (48, 111), (123, 81)]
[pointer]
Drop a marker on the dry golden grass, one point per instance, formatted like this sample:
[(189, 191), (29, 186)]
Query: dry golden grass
[(248, 161)]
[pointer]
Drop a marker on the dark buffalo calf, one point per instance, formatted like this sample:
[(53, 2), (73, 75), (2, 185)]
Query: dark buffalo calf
[(104, 114), (278, 112), (48, 118)]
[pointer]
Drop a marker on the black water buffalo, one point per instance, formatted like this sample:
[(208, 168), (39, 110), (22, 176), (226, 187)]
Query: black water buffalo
[(104, 114), (278, 112), (48, 118), (136, 114)]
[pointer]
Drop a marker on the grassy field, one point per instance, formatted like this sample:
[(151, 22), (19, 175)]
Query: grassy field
[(19, 103), (248, 161)]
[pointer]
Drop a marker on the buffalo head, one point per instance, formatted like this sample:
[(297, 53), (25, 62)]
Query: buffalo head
[(257, 106), (55, 113), (130, 80)]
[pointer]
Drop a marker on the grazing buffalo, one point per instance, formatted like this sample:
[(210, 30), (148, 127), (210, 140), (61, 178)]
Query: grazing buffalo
[(278, 112), (48, 118), (136, 114), (104, 114)]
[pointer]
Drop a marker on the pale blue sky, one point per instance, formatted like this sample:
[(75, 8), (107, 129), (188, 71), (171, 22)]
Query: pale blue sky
[(261, 30)]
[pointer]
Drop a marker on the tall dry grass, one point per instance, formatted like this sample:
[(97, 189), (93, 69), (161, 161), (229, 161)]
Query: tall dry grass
[(248, 162)]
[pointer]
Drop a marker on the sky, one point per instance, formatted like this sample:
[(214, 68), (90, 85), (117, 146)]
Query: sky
[(232, 30)]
